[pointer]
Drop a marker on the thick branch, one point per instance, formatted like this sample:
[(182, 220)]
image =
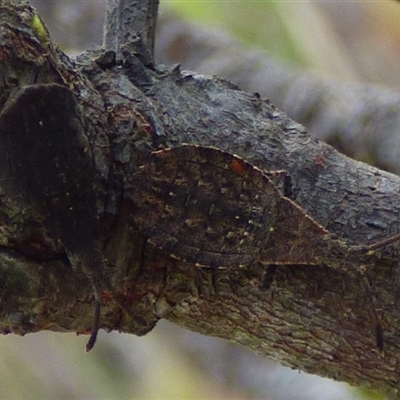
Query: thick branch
[(363, 120), (312, 317)]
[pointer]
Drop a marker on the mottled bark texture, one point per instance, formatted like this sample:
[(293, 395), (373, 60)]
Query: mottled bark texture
[(310, 317), (362, 120)]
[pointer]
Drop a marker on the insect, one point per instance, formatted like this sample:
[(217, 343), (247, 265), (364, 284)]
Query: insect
[(46, 163), (214, 209)]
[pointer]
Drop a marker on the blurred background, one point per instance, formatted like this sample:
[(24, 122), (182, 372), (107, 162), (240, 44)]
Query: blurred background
[(347, 43)]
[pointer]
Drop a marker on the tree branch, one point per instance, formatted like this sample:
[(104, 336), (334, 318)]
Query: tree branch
[(362, 120), (312, 317), (127, 19)]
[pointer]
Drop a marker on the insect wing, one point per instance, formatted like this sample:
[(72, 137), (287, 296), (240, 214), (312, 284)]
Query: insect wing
[(204, 205), (46, 161)]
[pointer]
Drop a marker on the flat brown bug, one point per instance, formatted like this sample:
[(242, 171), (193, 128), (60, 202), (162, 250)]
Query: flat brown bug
[(46, 163), (214, 209)]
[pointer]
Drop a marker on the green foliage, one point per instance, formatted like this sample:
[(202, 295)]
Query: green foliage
[(258, 23), (365, 394)]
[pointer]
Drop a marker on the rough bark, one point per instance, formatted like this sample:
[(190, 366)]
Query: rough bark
[(360, 119), (127, 19), (312, 317)]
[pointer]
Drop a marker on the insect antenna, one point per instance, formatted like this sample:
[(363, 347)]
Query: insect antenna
[(383, 243)]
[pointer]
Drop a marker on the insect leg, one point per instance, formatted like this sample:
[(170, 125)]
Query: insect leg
[(379, 340), (269, 277), (287, 185), (96, 325)]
